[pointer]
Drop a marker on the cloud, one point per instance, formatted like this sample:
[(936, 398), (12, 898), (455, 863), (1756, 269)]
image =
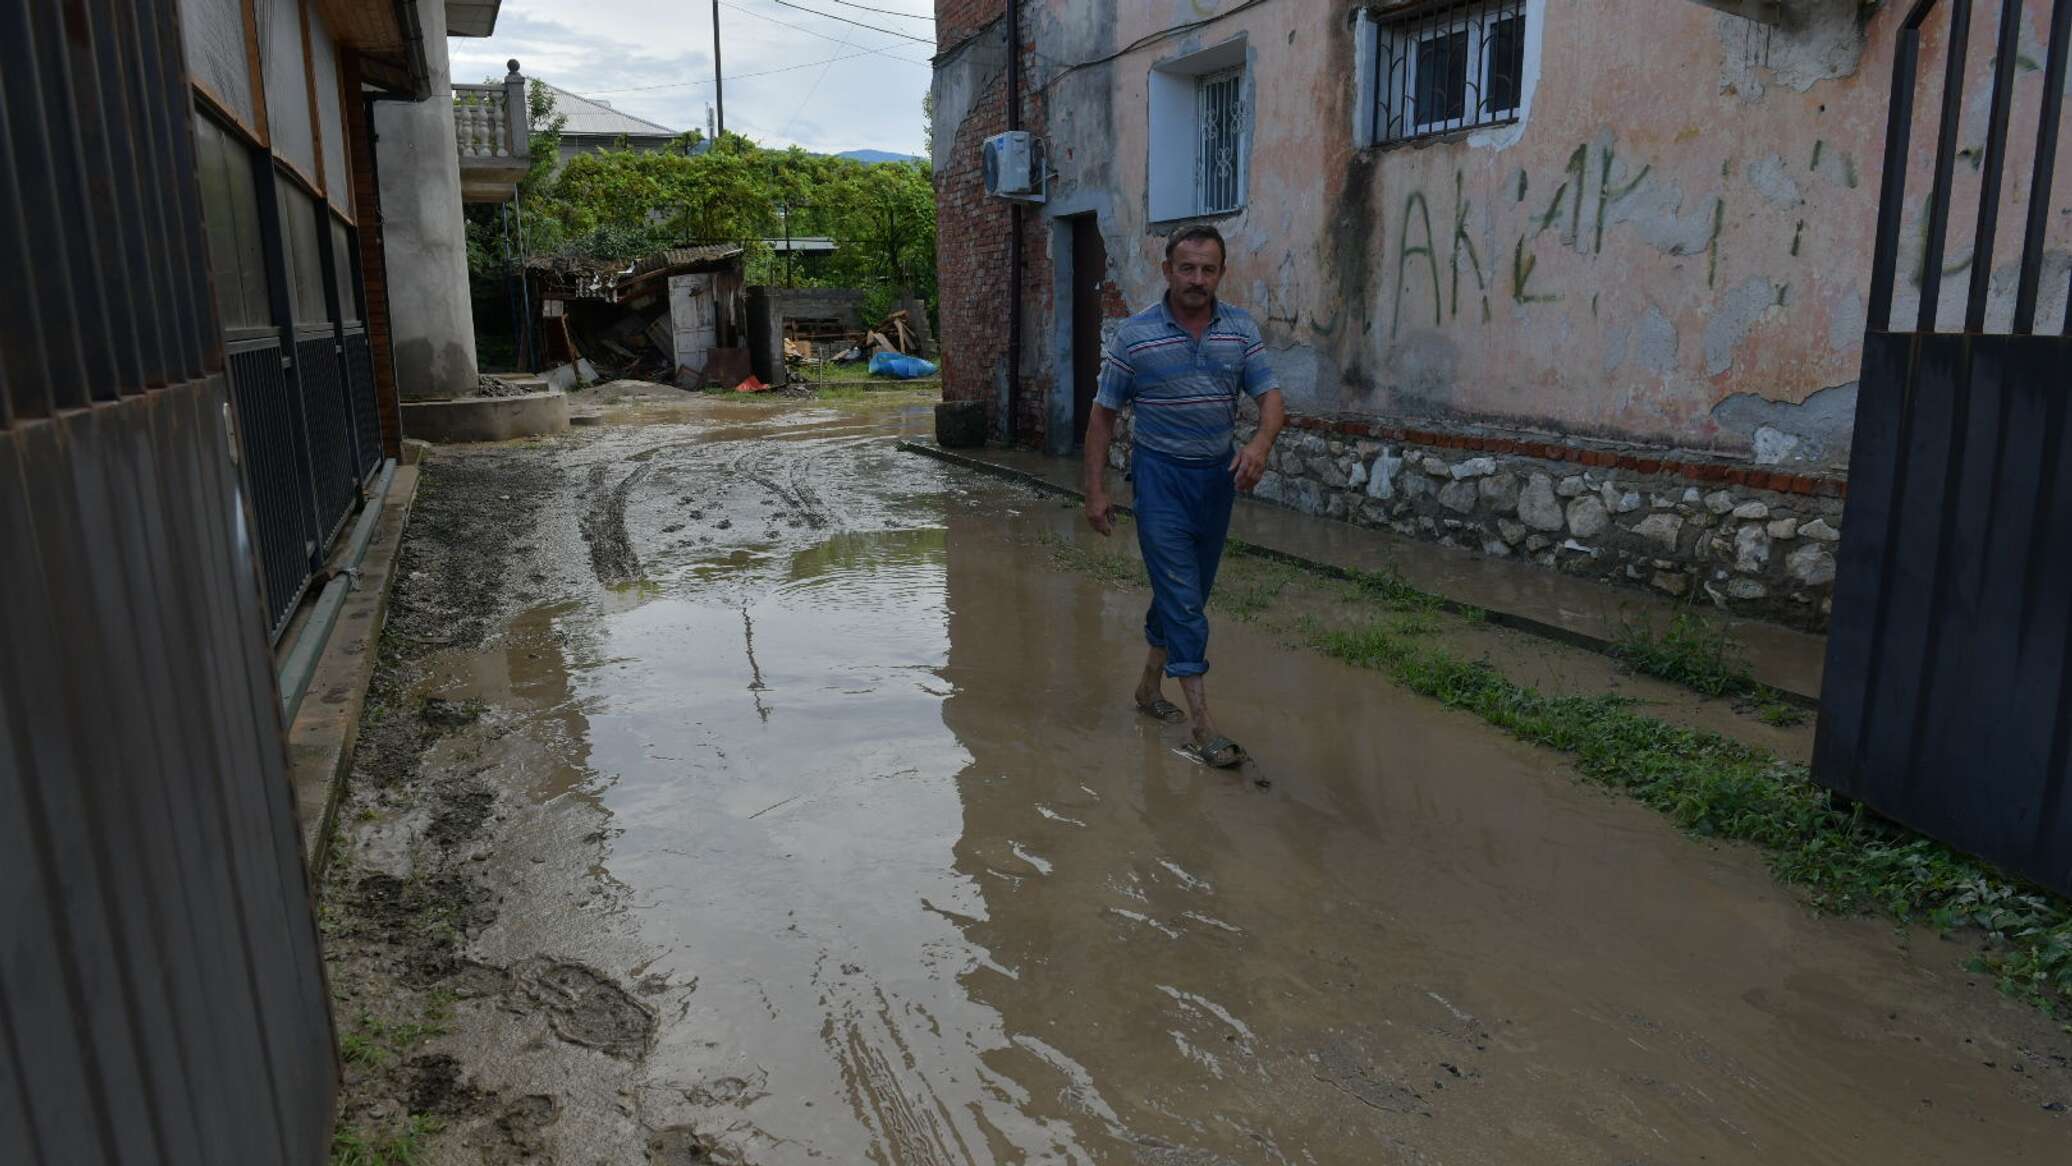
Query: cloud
[(653, 59)]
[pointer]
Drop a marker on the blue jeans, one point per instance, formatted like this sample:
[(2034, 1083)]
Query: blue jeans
[(1183, 514)]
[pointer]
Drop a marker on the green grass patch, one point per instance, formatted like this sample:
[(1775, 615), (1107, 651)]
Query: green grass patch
[(1391, 591), (375, 1043), (1780, 714), (403, 1147), (1413, 623), (1110, 567), (1694, 652), (1245, 596), (1848, 861)]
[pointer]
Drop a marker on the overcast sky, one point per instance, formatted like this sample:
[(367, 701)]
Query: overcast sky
[(653, 59)]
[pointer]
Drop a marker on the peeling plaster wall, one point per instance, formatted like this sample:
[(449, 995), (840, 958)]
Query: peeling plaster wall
[(1672, 248)]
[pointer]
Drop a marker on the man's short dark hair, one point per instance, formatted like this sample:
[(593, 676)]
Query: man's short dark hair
[(1198, 233)]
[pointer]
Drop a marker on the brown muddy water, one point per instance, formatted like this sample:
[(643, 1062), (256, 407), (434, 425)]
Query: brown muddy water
[(779, 800)]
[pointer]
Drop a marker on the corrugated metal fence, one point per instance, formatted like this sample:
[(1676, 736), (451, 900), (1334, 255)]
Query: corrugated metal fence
[(161, 993)]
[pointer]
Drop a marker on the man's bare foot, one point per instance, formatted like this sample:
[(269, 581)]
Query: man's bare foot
[(1151, 689), (1198, 705), (1151, 702)]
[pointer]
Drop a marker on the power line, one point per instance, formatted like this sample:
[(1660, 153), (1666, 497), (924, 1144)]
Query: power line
[(747, 76), (1141, 42), (884, 11), (821, 35), (845, 20), (786, 131)]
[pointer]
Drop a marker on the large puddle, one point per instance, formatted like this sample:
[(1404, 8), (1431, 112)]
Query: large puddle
[(850, 762)]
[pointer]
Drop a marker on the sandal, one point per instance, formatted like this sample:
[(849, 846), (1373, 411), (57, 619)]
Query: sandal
[(1163, 710), (1221, 753)]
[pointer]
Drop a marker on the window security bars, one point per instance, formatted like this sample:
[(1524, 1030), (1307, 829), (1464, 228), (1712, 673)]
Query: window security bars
[(1219, 163), (366, 411), (1442, 70)]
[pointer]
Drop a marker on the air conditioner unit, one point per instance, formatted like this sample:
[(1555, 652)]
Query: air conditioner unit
[(1014, 166)]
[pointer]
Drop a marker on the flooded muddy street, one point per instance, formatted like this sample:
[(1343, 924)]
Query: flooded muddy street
[(738, 788)]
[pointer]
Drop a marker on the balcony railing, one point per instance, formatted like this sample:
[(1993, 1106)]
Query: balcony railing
[(491, 130)]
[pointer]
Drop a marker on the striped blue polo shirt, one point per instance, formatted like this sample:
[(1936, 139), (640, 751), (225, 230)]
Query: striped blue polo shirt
[(1186, 390)]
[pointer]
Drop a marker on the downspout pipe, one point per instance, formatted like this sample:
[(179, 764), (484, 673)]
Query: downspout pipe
[(1010, 425), (299, 666)]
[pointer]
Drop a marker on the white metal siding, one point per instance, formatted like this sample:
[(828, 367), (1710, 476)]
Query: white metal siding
[(214, 32), (323, 62), (287, 84)]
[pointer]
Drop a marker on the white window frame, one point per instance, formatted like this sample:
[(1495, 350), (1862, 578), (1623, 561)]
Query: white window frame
[(1390, 52), (1179, 151)]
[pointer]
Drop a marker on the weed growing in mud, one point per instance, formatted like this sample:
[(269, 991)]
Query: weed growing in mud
[(376, 1043), (1849, 861), (1779, 714), (1246, 598), (1694, 652), (1110, 567), (1391, 590), (404, 1147), (1413, 623)]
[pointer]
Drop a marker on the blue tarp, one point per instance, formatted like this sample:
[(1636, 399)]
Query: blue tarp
[(906, 368)]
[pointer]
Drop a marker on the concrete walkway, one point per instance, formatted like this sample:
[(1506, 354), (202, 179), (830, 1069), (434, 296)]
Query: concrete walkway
[(1521, 595)]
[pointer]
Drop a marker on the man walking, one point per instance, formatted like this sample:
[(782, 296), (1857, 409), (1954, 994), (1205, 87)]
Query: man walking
[(1184, 361)]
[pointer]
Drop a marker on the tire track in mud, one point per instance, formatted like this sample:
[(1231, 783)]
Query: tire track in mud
[(884, 1081), (612, 556), (817, 470), (752, 463), (615, 559)]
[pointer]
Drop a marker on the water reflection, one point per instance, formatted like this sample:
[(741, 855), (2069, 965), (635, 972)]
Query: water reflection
[(947, 898), (799, 851)]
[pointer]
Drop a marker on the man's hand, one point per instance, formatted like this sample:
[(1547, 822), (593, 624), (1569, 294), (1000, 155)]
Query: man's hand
[(1100, 513), (1249, 465)]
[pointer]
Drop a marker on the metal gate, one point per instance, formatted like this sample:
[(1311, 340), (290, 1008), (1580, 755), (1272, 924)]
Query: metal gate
[(366, 412), (1948, 702), (162, 996), (309, 427)]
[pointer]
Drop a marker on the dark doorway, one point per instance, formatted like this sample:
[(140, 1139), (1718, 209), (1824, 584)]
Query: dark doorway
[(1089, 270)]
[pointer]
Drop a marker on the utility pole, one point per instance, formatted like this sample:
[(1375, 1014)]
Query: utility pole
[(719, 85)]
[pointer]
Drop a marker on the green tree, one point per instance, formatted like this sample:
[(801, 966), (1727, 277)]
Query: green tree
[(620, 204)]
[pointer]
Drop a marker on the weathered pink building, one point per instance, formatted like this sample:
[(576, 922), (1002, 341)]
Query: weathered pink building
[(1579, 280)]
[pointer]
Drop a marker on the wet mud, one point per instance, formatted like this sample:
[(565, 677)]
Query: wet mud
[(810, 821)]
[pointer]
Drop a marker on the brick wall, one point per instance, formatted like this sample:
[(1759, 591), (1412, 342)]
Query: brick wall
[(367, 213), (957, 19), (972, 253)]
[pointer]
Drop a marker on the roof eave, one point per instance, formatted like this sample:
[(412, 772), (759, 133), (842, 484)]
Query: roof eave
[(472, 17)]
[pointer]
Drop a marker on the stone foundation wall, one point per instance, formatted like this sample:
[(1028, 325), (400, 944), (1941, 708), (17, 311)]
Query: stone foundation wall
[(1748, 542)]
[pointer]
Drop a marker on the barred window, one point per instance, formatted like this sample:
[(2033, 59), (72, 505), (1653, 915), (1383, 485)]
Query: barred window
[(1219, 106), (1453, 67), (1200, 133)]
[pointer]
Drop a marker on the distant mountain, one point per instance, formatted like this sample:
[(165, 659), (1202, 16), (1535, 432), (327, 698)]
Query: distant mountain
[(870, 156)]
